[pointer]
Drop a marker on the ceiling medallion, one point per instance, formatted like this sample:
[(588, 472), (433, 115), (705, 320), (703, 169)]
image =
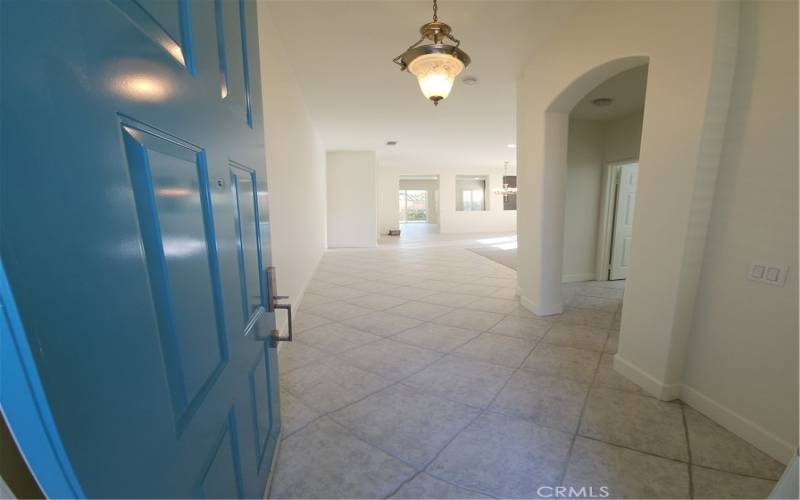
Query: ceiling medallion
[(435, 65)]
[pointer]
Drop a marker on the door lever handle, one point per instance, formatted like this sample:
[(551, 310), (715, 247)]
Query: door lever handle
[(273, 304), (276, 335)]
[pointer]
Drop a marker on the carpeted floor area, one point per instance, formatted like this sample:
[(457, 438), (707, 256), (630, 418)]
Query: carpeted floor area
[(506, 257)]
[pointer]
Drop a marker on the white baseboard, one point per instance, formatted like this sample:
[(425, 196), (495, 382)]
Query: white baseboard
[(743, 427), (574, 278), (761, 438), (664, 392), (538, 310), (297, 302), (352, 244)]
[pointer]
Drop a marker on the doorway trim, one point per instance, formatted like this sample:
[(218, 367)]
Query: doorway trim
[(605, 223), (25, 407)]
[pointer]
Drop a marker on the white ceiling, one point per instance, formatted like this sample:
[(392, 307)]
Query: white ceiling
[(627, 89), (358, 99)]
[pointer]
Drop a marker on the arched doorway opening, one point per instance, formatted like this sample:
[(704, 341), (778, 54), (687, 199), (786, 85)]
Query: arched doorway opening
[(552, 192), (603, 144)]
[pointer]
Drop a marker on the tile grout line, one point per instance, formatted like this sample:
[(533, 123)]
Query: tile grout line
[(423, 469), (671, 459), (535, 345), (514, 371), (336, 355), (623, 447), (393, 334), (480, 413), (576, 433), (425, 466), (397, 382), (483, 411), (328, 413), (474, 490), (688, 450), (403, 483), (477, 334), (748, 476)]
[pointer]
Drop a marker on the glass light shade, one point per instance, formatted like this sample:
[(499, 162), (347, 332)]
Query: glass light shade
[(435, 74)]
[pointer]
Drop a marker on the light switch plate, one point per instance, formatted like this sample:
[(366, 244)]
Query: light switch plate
[(770, 274)]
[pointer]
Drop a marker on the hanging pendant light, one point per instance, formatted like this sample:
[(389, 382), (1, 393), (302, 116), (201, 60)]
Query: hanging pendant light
[(435, 65), (506, 190)]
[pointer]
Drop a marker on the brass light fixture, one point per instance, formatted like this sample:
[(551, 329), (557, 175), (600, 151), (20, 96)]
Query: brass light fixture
[(435, 65)]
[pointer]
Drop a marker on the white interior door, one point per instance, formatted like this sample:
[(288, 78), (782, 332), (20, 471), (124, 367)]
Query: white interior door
[(623, 221)]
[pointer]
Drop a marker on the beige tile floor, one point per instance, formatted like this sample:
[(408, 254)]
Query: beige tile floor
[(416, 374)]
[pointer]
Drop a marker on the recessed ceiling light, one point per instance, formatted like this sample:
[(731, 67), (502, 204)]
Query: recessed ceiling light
[(511, 146), (602, 101), (469, 80), (391, 143)]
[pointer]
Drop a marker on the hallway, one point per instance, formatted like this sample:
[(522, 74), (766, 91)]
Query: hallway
[(415, 373), (227, 316)]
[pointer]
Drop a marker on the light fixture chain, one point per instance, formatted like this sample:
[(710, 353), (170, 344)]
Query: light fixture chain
[(435, 10)]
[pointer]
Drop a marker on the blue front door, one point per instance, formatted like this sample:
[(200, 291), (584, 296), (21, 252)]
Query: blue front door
[(134, 231)]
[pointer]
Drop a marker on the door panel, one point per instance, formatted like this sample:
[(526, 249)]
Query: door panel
[(623, 221), (133, 210), (234, 72), (170, 185), (223, 474), (262, 407), (167, 23), (245, 201)]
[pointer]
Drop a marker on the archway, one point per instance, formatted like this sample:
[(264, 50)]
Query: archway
[(688, 93), (554, 176)]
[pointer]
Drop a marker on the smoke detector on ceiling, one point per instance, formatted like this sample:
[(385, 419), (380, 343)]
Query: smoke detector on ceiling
[(391, 143), (602, 102), (469, 80)]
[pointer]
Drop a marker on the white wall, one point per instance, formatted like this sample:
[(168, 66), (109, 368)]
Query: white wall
[(688, 90), (676, 337), (431, 187), (742, 355), (352, 204), (591, 145), (581, 212), (295, 168), (387, 183), (495, 219), (622, 137)]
